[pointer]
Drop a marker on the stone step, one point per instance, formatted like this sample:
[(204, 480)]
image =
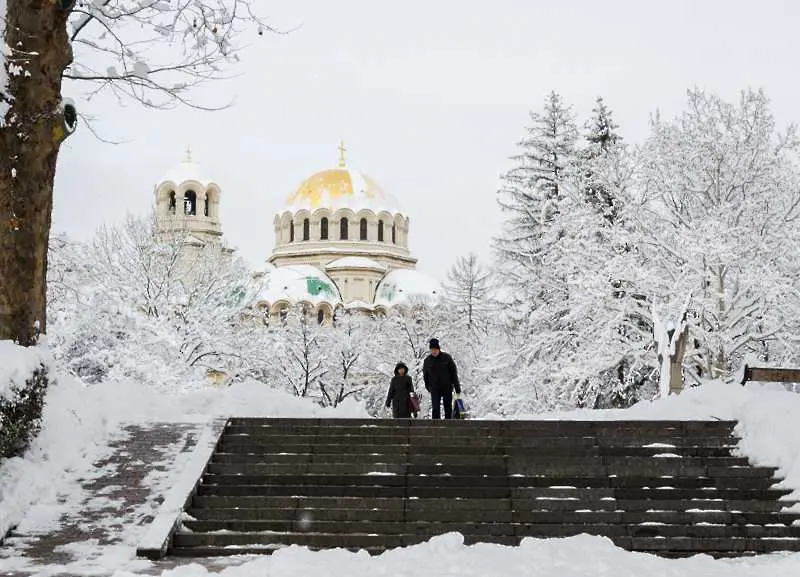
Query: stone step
[(273, 501), (468, 487), (510, 425), (699, 545), (562, 529), (327, 540), (492, 516), (293, 514), (520, 503), (276, 475), (658, 443), (328, 454)]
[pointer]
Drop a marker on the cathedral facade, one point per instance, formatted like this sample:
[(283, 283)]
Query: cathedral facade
[(341, 241)]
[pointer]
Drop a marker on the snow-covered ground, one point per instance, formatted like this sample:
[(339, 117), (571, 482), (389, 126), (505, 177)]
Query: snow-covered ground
[(81, 422)]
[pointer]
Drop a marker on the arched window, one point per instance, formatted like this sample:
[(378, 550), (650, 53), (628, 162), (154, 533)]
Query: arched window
[(394, 234), (320, 316), (205, 207), (190, 202), (343, 224), (291, 231), (284, 314), (363, 229), (380, 231), (171, 207), (323, 228), (306, 229)]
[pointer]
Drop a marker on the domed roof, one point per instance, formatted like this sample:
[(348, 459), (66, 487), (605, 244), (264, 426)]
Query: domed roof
[(298, 283), (187, 170), (341, 187), (402, 284)]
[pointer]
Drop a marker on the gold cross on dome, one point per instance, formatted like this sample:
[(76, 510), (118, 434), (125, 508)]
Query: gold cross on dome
[(342, 150)]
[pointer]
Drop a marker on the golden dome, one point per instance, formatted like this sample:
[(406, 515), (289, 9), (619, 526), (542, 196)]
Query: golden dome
[(340, 187)]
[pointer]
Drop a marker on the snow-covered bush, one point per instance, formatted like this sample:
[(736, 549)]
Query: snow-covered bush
[(23, 383)]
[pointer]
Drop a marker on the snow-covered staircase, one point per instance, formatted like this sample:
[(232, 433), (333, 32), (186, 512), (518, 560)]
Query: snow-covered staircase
[(672, 488)]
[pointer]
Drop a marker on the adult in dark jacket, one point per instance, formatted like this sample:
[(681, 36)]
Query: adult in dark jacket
[(441, 378), (400, 389)]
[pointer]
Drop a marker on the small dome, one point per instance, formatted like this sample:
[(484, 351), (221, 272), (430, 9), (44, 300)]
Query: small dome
[(402, 284), (298, 283), (355, 262), (186, 171)]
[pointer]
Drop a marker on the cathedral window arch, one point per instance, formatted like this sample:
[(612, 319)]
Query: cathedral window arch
[(320, 316), (380, 231), (291, 231), (306, 229), (171, 206), (205, 206), (323, 228), (363, 229), (394, 234), (343, 228), (190, 203)]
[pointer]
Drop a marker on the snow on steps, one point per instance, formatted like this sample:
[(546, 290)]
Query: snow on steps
[(280, 482)]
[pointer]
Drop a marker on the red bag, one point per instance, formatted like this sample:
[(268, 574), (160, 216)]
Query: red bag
[(413, 402)]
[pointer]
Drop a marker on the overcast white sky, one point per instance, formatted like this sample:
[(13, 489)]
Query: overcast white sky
[(429, 96)]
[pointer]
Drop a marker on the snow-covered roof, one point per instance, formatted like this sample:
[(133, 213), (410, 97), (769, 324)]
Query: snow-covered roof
[(296, 283), (401, 284), (358, 262), (339, 188), (185, 171)]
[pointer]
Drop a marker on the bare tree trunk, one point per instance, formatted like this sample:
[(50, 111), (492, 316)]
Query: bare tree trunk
[(30, 137)]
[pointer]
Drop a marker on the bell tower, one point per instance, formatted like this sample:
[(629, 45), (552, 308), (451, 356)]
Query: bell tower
[(187, 202)]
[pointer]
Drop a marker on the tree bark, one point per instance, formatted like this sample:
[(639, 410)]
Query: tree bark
[(30, 137)]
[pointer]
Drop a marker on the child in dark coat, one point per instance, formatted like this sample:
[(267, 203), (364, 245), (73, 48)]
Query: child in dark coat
[(400, 391)]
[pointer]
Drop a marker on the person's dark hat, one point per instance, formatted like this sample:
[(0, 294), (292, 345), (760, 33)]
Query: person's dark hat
[(434, 344)]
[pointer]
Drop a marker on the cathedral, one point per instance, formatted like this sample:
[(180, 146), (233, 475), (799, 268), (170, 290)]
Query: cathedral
[(341, 241)]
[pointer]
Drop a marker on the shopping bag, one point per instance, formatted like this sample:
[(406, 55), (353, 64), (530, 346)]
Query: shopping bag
[(459, 408), (414, 403)]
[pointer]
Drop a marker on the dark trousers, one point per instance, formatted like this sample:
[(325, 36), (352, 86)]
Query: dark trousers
[(439, 397)]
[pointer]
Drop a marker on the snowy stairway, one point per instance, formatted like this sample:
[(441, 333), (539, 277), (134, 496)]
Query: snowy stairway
[(672, 488)]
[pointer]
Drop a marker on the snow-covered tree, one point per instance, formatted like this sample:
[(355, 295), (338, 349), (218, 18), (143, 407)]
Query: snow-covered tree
[(720, 191), (351, 357), (534, 187), (601, 163), (153, 51), (469, 294), (299, 358)]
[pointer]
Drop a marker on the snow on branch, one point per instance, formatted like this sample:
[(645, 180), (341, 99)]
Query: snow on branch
[(156, 51)]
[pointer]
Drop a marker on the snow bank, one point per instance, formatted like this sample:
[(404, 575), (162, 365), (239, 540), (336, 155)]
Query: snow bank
[(18, 363), (446, 555)]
